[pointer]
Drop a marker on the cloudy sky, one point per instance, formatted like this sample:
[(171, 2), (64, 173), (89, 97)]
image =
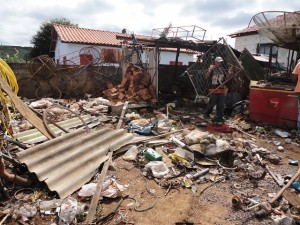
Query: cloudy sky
[(21, 19)]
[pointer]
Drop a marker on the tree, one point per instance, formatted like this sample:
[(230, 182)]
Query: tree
[(42, 39)]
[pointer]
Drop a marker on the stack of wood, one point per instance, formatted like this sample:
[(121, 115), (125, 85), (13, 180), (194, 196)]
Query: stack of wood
[(136, 86)]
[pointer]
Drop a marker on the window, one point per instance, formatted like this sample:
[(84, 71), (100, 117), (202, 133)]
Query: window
[(266, 48)]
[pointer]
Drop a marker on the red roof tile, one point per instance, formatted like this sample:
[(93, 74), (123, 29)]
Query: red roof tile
[(247, 30), (73, 34)]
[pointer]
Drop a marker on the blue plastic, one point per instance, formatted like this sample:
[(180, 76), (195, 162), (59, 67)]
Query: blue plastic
[(143, 130), (296, 186)]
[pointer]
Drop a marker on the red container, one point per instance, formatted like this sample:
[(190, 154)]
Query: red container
[(273, 106)]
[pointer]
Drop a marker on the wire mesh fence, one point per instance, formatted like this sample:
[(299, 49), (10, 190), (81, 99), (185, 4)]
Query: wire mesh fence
[(235, 81)]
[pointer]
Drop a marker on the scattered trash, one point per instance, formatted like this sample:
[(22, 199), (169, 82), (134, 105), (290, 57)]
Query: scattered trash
[(67, 211), (51, 204), (288, 140), (293, 162), (131, 153), (296, 186), (224, 128), (158, 168), (152, 155), (27, 211), (277, 143), (143, 130), (281, 133), (200, 173), (178, 159), (283, 221), (112, 189), (236, 202), (184, 160), (87, 190)]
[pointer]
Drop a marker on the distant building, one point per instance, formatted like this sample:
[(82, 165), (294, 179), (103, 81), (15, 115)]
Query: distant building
[(262, 47)]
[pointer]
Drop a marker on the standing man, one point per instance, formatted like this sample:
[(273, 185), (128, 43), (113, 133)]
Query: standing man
[(216, 77), (296, 73)]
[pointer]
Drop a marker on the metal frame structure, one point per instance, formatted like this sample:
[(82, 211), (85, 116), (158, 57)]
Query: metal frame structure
[(197, 71), (183, 32)]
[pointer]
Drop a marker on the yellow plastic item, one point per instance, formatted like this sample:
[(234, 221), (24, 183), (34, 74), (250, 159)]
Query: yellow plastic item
[(9, 77), (176, 158)]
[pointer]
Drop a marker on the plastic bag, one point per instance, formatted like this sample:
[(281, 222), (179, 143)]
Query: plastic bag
[(158, 168), (51, 204), (27, 211), (68, 211), (131, 153), (87, 190)]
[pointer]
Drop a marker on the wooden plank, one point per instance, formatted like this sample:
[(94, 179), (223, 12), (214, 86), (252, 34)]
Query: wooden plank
[(24, 109), (94, 203), (122, 115), (292, 198)]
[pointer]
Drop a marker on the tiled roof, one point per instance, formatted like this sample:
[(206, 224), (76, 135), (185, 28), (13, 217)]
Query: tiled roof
[(73, 34), (252, 29)]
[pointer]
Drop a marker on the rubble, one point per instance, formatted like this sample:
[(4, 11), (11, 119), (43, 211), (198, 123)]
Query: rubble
[(194, 160)]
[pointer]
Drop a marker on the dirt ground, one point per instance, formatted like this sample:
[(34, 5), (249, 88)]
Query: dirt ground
[(212, 207), (146, 200)]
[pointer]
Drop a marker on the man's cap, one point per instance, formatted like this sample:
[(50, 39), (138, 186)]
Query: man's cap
[(218, 59)]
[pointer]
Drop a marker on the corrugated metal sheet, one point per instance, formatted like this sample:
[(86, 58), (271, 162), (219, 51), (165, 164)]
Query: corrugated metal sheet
[(69, 161), (33, 136)]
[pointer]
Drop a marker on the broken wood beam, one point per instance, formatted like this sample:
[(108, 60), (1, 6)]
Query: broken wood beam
[(275, 178), (122, 115), (25, 110), (94, 203)]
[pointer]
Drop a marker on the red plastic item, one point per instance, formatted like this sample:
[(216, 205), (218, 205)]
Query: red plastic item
[(223, 128), (273, 106)]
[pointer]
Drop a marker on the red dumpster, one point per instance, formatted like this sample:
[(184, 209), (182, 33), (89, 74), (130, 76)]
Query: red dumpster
[(275, 105)]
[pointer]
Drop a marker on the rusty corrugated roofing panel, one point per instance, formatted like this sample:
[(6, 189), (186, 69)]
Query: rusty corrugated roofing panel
[(69, 161)]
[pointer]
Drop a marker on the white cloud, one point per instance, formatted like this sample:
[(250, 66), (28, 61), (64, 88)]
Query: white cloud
[(21, 19)]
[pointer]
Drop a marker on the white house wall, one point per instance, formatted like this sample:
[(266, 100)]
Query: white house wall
[(69, 52), (250, 42)]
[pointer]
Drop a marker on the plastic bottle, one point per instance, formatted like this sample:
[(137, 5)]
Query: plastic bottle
[(152, 155)]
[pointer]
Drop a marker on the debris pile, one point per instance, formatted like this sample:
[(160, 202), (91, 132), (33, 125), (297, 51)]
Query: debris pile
[(136, 86), (174, 154)]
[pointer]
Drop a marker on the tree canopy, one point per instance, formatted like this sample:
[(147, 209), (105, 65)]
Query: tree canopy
[(42, 39)]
